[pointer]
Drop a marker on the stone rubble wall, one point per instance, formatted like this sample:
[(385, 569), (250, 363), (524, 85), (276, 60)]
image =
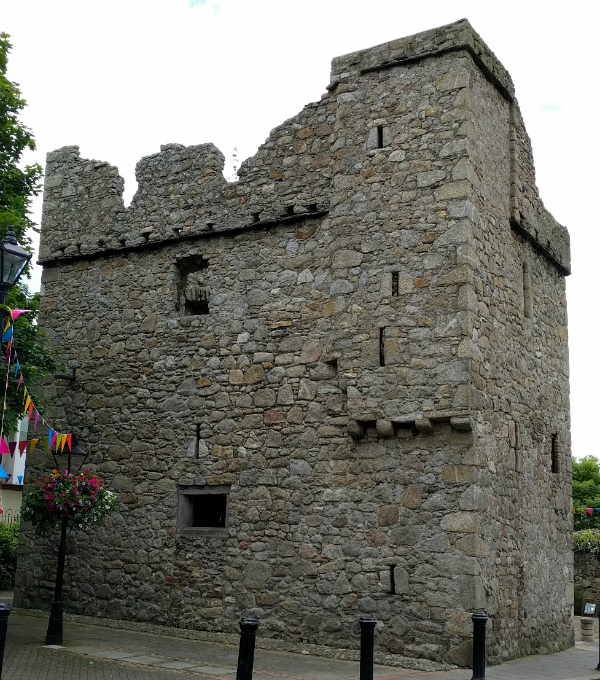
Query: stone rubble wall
[(358, 382), (586, 570)]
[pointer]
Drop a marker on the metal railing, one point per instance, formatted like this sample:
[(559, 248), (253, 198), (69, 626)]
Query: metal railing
[(10, 517)]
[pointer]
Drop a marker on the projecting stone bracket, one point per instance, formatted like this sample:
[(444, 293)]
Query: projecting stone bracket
[(357, 427)]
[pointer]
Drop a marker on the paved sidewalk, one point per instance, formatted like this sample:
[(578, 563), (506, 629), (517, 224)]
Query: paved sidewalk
[(94, 652)]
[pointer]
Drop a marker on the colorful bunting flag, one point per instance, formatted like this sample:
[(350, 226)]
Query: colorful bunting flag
[(30, 411), (3, 446), (7, 326), (27, 402), (69, 441), (22, 447), (7, 335), (17, 368), (17, 312), (32, 444), (37, 416), (11, 447), (590, 510), (3, 473), (52, 441), (20, 479), (20, 381)]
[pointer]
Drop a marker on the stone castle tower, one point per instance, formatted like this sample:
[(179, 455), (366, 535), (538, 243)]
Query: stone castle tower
[(337, 386)]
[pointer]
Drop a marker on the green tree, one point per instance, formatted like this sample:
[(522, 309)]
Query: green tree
[(18, 185), (586, 491)]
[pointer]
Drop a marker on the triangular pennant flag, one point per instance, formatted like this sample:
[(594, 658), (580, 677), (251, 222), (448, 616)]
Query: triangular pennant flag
[(20, 381), (63, 442), (53, 440), (7, 326), (590, 511), (69, 441), (7, 335), (17, 312), (18, 366), (8, 352), (59, 442), (27, 402), (3, 447), (30, 411), (37, 417), (32, 444), (3, 473), (9, 476), (50, 440), (22, 446), (45, 443), (20, 479), (11, 447)]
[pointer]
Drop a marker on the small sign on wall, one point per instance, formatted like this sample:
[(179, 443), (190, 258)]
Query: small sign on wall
[(589, 609)]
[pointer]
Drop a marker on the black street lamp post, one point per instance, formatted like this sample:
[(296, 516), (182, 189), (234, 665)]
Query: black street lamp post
[(54, 634), (13, 260)]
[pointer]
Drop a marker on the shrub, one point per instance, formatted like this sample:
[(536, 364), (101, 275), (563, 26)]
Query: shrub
[(587, 541), (9, 541)]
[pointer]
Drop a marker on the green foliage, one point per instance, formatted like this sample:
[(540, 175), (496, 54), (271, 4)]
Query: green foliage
[(9, 541), (587, 541), (17, 185), (80, 497), (586, 491)]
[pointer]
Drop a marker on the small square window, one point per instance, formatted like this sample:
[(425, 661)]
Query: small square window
[(203, 509)]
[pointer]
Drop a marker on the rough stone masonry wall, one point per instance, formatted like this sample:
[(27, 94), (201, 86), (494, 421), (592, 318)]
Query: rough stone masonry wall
[(334, 384), (587, 576)]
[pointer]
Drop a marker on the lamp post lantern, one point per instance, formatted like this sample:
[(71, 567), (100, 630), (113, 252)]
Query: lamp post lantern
[(54, 633), (13, 260)]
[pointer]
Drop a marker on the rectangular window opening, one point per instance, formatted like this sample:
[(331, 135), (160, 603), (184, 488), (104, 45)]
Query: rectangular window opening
[(380, 136), (193, 294), (394, 284), (392, 579), (203, 508), (555, 458), (381, 347)]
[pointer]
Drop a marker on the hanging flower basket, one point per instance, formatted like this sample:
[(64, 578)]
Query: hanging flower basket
[(80, 497)]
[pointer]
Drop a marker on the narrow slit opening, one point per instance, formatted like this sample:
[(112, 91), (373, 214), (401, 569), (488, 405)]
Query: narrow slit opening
[(554, 452), (381, 347), (380, 136), (394, 284), (256, 216), (392, 579)]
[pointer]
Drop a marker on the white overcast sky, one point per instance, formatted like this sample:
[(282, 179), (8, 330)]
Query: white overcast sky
[(120, 77)]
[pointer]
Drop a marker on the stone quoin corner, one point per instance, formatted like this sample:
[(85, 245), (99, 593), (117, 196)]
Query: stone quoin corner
[(336, 387)]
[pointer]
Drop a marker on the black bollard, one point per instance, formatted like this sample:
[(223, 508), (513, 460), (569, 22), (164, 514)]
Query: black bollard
[(598, 666), (367, 639), (4, 614), (479, 620), (248, 626)]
